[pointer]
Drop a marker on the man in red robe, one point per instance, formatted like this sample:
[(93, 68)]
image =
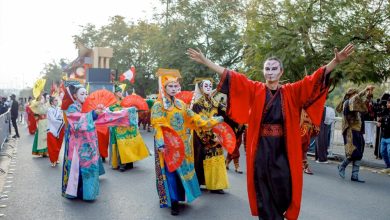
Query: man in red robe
[(272, 112)]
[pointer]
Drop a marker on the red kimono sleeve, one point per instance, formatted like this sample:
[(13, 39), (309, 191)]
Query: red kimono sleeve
[(240, 92), (310, 94)]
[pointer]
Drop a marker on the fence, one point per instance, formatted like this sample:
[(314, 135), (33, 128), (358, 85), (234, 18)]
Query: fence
[(5, 127), (336, 136)]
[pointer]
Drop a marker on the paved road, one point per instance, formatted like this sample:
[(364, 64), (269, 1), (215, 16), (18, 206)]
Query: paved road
[(35, 194)]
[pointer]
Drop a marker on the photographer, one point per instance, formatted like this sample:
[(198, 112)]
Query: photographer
[(384, 123)]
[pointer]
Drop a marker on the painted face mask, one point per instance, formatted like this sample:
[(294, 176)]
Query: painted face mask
[(81, 95), (272, 70), (172, 88), (207, 87)]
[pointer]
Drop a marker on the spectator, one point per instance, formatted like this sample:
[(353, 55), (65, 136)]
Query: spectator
[(377, 114), (14, 114), (3, 106), (384, 123)]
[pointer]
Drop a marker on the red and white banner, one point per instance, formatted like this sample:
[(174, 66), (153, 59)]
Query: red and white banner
[(128, 75)]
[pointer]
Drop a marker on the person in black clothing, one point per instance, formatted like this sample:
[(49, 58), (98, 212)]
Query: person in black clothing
[(384, 123), (3, 106), (14, 114)]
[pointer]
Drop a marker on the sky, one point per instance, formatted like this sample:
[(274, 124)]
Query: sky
[(33, 33)]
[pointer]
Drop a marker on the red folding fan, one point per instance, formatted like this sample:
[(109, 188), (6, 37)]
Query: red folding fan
[(185, 96), (225, 136), (135, 100), (98, 99), (174, 152)]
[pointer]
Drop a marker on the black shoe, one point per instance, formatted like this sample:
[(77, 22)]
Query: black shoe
[(16, 136), (219, 191), (129, 166), (122, 168), (357, 180), (175, 208)]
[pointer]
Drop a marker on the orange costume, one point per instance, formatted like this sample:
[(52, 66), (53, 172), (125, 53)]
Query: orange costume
[(246, 105)]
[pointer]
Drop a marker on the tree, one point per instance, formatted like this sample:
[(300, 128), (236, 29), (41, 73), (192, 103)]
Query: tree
[(303, 34), (52, 73)]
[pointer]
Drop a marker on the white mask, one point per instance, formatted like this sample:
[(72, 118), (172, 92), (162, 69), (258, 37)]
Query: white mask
[(172, 88), (207, 87), (81, 95), (272, 70)]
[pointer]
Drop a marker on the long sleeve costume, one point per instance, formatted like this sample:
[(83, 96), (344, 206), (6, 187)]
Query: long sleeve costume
[(274, 152)]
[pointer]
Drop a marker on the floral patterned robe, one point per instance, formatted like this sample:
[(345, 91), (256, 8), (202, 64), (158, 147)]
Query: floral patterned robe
[(181, 119), (82, 164)]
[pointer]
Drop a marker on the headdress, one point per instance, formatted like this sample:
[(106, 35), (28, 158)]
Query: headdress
[(69, 87), (198, 93), (347, 95), (117, 88), (166, 76)]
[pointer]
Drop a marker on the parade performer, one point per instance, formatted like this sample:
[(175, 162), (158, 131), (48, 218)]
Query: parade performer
[(209, 161), (235, 156), (39, 107), (308, 130), (352, 106), (126, 143), (55, 133), (82, 163), (272, 112), (31, 121), (168, 112)]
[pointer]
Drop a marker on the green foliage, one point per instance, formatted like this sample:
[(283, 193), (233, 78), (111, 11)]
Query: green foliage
[(52, 73), (242, 34), (303, 34)]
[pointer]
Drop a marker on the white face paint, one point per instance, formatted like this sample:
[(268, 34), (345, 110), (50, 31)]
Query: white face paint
[(207, 87), (272, 70), (81, 95), (172, 88)]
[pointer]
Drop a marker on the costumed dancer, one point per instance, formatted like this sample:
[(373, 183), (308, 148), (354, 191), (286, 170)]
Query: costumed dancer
[(308, 130), (272, 112), (126, 143), (171, 113), (31, 121), (82, 162), (55, 133), (209, 161), (39, 107), (352, 106)]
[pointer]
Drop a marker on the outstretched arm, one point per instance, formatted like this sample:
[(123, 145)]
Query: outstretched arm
[(339, 57), (198, 57)]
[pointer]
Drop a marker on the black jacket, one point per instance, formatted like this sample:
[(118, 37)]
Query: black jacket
[(14, 109)]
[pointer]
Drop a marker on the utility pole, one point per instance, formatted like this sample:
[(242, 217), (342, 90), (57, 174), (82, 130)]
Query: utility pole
[(166, 15)]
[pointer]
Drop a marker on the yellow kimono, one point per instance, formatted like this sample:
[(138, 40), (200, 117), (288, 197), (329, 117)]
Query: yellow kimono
[(182, 120), (40, 138), (126, 143)]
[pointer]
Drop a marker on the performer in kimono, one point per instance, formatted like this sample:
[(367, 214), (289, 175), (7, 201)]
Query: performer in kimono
[(55, 133), (126, 143), (272, 112), (31, 121), (352, 106), (40, 107), (181, 184), (209, 159), (82, 162)]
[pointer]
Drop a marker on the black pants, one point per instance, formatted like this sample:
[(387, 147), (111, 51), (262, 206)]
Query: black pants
[(15, 126)]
